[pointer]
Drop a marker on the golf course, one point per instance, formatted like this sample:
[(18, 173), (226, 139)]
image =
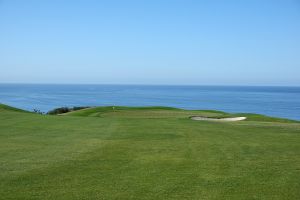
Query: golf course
[(147, 153)]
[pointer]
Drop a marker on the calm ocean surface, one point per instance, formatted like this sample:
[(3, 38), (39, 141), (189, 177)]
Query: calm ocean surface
[(273, 101)]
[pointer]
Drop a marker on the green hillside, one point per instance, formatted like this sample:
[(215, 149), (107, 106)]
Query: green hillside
[(4, 107), (147, 153)]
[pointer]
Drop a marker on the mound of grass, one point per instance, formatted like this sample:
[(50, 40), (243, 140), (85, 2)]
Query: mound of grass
[(264, 118), (143, 112), (146, 153), (9, 108)]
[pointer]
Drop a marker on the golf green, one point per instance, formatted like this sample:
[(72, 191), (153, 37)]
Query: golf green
[(147, 153)]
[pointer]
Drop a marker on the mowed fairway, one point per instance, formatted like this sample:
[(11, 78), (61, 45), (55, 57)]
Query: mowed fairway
[(147, 153)]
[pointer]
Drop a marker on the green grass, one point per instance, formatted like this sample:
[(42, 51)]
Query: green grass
[(147, 153)]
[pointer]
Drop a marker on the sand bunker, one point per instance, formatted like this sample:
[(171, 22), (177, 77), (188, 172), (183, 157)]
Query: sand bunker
[(228, 119)]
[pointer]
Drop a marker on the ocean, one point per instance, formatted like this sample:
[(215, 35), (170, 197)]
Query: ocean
[(273, 101)]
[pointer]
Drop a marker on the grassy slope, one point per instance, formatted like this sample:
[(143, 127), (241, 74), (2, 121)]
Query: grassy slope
[(4, 107), (147, 153)]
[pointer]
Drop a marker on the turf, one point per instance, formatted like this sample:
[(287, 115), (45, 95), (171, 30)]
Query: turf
[(147, 153)]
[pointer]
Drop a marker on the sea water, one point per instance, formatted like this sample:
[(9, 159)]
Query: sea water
[(274, 101)]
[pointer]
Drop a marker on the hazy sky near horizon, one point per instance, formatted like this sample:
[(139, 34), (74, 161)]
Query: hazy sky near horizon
[(254, 42)]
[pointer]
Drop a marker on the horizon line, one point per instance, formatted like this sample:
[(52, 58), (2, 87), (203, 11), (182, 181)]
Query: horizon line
[(147, 84)]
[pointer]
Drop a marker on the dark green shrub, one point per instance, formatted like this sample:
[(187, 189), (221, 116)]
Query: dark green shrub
[(62, 110)]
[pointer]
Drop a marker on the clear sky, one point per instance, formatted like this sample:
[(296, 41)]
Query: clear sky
[(150, 42)]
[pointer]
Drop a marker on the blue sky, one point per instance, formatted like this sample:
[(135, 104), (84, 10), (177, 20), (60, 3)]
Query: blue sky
[(150, 42)]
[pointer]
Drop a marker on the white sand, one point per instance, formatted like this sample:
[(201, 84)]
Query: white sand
[(229, 119)]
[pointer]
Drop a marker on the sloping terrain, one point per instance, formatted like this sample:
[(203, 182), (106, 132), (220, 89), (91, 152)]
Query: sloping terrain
[(147, 153)]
